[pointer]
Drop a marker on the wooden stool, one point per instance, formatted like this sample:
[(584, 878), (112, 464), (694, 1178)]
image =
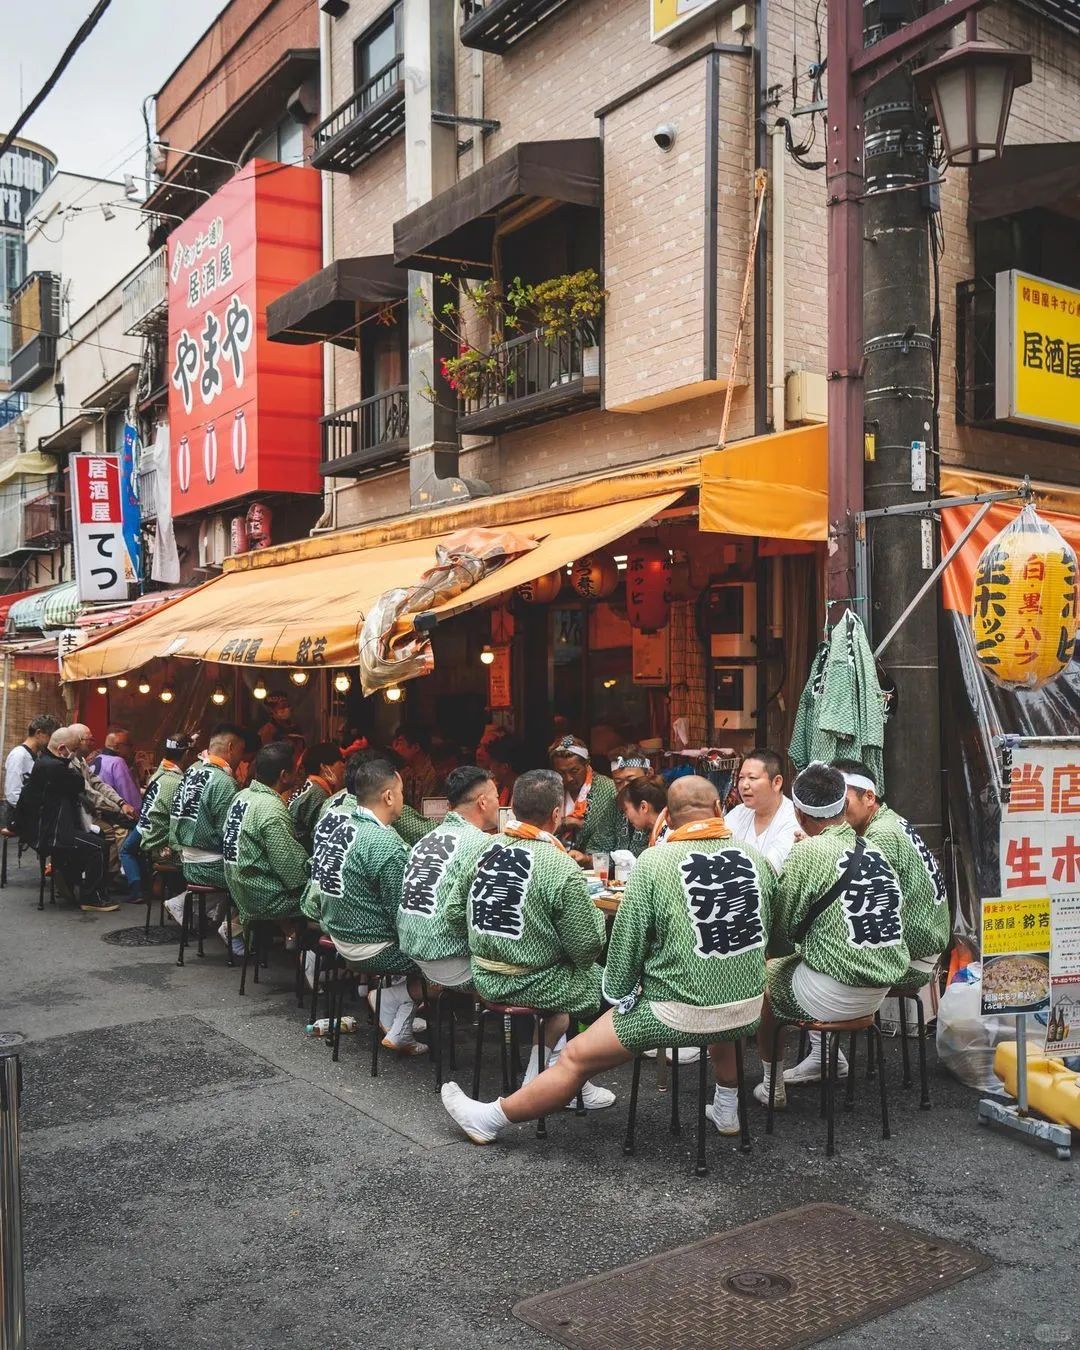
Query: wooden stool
[(830, 1049), (201, 894), (163, 886), (508, 1045), (435, 1004)]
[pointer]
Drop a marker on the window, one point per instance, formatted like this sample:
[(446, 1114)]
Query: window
[(1037, 241), (378, 48), (284, 145), (383, 357), (114, 431)]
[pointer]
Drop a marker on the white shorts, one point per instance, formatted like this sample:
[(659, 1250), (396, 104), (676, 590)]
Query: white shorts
[(827, 1000), (449, 971)]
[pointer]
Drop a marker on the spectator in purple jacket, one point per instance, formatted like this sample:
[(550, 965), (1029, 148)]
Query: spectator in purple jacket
[(114, 767)]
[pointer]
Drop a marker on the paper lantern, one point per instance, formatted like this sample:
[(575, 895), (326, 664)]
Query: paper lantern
[(1023, 604), (648, 586), (543, 590), (594, 577), (238, 540)]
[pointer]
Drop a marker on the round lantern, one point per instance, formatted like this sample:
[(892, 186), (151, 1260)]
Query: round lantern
[(543, 590), (594, 577), (1023, 603), (238, 540), (648, 586), (258, 521)]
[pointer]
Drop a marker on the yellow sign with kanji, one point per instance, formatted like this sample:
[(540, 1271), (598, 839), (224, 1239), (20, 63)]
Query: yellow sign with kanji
[(1015, 927), (668, 18), (1037, 366)]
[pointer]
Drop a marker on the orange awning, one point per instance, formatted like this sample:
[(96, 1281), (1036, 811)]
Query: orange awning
[(310, 610), (1059, 505), (769, 487)]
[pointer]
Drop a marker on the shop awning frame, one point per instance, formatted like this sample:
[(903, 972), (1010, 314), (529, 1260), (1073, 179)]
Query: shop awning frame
[(772, 487), (324, 307), (52, 608), (455, 231)]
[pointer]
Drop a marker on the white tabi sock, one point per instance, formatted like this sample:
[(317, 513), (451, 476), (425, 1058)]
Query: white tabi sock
[(726, 1098), (781, 1093)]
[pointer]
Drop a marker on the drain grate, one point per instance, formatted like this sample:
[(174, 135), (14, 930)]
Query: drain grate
[(139, 937), (784, 1282), (11, 1038)]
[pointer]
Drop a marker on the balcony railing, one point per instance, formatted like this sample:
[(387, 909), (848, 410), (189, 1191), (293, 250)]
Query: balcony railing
[(45, 521), (35, 325), (366, 436), (495, 25), (365, 122), (543, 380), (146, 487), (11, 406), (976, 357), (145, 297)]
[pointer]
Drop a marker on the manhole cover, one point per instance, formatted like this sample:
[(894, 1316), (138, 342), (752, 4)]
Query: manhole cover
[(11, 1038), (759, 1284), (139, 937), (729, 1290)]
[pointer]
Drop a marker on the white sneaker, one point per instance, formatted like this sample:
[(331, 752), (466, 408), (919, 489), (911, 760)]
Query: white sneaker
[(472, 1116), (808, 1070), (419, 1024), (400, 1037), (761, 1094), (593, 1098), (175, 907), (724, 1116)]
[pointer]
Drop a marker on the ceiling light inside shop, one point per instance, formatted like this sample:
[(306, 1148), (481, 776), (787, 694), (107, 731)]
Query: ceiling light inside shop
[(393, 693), (122, 682), (299, 677), (144, 686), (342, 682), (167, 695), (487, 656), (260, 690), (218, 696)]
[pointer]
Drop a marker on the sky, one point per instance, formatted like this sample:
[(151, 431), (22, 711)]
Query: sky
[(92, 120)]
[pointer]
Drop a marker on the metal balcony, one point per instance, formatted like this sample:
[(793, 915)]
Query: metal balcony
[(145, 297), (364, 123), (146, 488), (366, 436), (542, 382), (45, 521), (35, 325), (495, 25)]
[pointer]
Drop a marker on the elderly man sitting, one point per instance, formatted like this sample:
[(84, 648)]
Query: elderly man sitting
[(534, 934), (266, 868), (685, 967), (589, 813), (838, 904), (431, 919)]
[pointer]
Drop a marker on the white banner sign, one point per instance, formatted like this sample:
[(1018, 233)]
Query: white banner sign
[(102, 565)]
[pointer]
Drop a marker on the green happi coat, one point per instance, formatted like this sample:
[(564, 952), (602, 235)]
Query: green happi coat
[(157, 803), (926, 903), (431, 919), (626, 837), (305, 807), (357, 868), (692, 928), (599, 829), (859, 939), (528, 909), (341, 806), (197, 819), (412, 826), (266, 869)]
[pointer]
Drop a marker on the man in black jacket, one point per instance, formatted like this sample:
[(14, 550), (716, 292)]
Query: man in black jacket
[(51, 817)]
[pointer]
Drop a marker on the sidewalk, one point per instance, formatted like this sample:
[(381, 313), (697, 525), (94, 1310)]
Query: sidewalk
[(198, 1174)]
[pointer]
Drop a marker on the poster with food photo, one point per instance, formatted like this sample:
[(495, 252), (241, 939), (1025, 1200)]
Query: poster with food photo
[(1016, 956), (1063, 1024)]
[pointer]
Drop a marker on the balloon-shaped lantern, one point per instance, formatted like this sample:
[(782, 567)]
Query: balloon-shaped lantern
[(594, 577), (543, 590), (648, 586), (1023, 604)]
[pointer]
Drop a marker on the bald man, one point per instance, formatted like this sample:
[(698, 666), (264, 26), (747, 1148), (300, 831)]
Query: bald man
[(685, 967), (104, 800)]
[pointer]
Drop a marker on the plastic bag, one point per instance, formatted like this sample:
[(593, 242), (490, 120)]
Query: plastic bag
[(966, 1041)]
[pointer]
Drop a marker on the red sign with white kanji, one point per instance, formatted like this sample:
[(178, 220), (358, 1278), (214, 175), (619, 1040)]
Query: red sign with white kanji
[(1039, 849), (243, 412), (102, 566)]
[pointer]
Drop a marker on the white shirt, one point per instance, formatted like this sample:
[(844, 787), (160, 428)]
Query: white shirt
[(778, 838), (16, 772)]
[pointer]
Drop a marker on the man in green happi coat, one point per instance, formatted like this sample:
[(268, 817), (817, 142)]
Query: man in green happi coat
[(838, 904), (160, 793), (324, 775), (431, 920), (685, 967), (589, 816), (266, 867), (534, 934), (197, 816), (629, 764)]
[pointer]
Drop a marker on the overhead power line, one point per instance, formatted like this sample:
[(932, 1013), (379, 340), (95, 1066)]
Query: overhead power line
[(85, 29)]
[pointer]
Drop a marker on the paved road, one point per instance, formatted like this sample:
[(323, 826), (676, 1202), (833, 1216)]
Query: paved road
[(199, 1174)]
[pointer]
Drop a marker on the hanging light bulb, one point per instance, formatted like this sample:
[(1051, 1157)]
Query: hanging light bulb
[(32, 685), (103, 688), (342, 682), (122, 682), (144, 686), (20, 683), (260, 690), (299, 677), (218, 696), (167, 695), (487, 656), (393, 693)]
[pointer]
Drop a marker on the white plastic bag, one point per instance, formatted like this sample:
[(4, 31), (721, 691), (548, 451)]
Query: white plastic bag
[(966, 1041)]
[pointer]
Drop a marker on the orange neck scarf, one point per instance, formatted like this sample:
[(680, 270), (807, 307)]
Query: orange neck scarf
[(659, 829), (220, 763), (167, 766), (713, 828), (518, 829), (324, 783), (581, 804)]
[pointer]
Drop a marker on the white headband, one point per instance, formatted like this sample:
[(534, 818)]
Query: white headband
[(569, 747), (820, 812), (860, 781), (630, 762)]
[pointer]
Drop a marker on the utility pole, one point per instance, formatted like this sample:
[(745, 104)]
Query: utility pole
[(898, 413)]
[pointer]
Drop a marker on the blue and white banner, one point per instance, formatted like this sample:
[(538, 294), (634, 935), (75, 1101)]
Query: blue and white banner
[(129, 500)]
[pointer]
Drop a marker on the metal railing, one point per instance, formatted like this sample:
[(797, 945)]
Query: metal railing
[(146, 487), (11, 406), (44, 519), (976, 356), (35, 309), (531, 365), (145, 296), (361, 102), (367, 428)]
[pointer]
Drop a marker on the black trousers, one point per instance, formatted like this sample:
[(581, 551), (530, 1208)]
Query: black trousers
[(85, 863)]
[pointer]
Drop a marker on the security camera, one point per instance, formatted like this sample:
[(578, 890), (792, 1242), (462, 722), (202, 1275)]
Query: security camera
[(664, 136)]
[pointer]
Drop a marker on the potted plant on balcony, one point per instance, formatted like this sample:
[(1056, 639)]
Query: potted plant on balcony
[(571, 304)]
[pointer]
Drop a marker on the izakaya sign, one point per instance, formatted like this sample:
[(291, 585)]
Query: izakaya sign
[(243, 412), (1037, 366), (102, 565)]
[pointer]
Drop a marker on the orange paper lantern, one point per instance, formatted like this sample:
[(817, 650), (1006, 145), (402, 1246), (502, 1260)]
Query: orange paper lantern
[(543, 590), (1023, 610), (594, 577), (648, 586)]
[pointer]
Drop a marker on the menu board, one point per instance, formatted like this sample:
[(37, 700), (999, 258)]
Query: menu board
[(1016, 956)]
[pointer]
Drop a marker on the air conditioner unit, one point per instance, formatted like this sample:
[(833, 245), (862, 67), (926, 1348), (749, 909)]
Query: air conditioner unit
[(806, 397)]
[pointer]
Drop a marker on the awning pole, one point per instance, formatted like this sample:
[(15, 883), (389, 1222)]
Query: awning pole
[(4, 705)]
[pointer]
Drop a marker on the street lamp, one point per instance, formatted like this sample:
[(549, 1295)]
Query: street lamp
[(972, 87)]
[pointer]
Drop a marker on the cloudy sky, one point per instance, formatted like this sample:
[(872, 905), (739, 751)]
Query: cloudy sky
[(92, 120)]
